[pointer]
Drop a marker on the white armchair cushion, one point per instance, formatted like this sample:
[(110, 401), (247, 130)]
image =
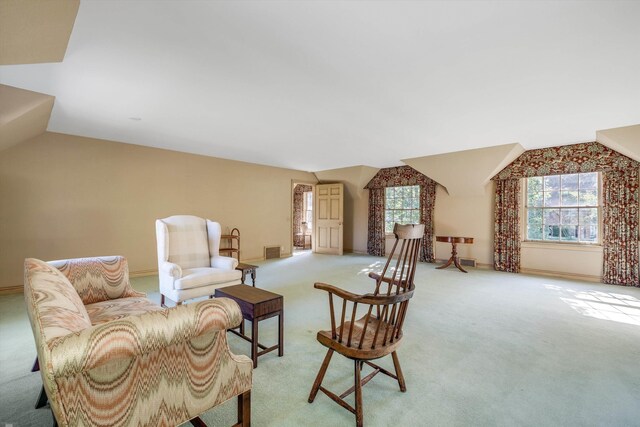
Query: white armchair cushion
[(196, 277), (188, 245)]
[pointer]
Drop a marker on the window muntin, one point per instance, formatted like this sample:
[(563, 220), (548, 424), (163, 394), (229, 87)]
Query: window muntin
[(402, 205), (563, 208)]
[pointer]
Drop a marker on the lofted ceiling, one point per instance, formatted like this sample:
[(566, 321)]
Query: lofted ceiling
[(327, 84)]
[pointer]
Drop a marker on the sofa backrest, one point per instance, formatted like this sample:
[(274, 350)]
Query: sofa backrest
[(182, 240), (54, 307), (98, 279)]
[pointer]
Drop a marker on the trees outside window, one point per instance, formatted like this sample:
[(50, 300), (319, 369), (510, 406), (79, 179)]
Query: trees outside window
[(402, 205), (563, 208)]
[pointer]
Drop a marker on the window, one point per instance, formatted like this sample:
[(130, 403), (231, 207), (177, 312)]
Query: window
[(563, 208), (307, 198), (402, 205)]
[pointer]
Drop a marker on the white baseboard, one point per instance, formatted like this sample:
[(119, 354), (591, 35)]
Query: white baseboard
[(562, 275)]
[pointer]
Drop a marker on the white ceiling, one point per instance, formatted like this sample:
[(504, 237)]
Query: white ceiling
[(328, 84)]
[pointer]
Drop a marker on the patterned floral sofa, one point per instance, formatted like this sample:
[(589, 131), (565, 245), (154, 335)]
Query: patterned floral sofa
[(109, 356)]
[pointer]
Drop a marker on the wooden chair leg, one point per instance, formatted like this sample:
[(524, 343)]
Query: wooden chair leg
[(162, 304), (358, 384), (42, 399), (323, 370), (197, 422), (396, 364), (244, 409)]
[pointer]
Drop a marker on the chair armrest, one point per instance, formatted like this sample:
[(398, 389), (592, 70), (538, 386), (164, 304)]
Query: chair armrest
[(366, 298), (349, 296), (225, 262), (171, 269), (134, 336)]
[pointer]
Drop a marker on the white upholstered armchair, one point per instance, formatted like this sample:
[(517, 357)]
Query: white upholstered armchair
[(189, 263)]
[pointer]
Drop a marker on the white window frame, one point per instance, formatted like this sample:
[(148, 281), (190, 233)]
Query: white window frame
[(386, 209), (525, 211)]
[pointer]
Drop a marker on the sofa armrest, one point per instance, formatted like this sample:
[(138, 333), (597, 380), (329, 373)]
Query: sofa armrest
[(226, 262), (138, 335), (171, 269)]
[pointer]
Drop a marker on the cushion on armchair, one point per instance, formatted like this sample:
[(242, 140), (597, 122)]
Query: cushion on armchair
[(188, 243), (196, 277)]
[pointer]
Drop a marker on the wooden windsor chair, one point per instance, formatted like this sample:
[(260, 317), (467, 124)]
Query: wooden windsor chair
[(379, 332)]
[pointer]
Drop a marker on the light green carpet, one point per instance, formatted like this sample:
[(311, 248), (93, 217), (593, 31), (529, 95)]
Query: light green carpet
[(481, 349)]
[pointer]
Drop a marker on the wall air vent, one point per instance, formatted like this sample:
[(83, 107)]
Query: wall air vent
[(467, 262), (271, 252)]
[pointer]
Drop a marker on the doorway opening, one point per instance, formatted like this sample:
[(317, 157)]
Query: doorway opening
[(302, 224)]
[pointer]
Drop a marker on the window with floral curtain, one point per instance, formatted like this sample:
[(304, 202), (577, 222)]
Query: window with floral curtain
[(401, 176), (619, 209)]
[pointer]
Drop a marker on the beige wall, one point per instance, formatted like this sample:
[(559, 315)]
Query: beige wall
[(465, 216), (65, 196), (579, 261)]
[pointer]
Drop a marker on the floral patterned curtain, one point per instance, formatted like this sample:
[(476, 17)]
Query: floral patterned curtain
[(585, 157), (620, 199), (375, 240), (298, 214), (427, 203), (506, 237), (396, 177), (620, 227)]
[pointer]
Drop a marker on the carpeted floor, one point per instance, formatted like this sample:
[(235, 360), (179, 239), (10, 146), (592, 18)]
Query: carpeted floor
[(481, 349)]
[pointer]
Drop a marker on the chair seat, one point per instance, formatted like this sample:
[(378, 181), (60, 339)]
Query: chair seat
[(106, 311), (366, 353), (197, 277)]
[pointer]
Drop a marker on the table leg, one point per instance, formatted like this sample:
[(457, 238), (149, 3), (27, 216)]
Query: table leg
[(243, 276), (254, 342), (281, 333), (453, 260), (253, 277), (445, 265), (457, 264)]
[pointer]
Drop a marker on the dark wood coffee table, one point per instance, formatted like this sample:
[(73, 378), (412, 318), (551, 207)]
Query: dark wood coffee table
[(256, 304)]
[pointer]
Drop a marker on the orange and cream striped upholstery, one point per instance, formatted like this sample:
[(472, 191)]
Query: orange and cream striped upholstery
[(98, 279), (137, 364)]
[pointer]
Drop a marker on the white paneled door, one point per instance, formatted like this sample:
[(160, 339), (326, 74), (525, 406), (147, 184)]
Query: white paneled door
[(329, 218)]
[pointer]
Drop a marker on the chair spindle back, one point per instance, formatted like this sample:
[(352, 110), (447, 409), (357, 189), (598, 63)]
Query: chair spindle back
[(391, 303)]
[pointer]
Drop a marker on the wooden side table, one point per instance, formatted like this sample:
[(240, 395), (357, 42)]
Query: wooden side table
[(256, 305), (454, 253), (248, 268)]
